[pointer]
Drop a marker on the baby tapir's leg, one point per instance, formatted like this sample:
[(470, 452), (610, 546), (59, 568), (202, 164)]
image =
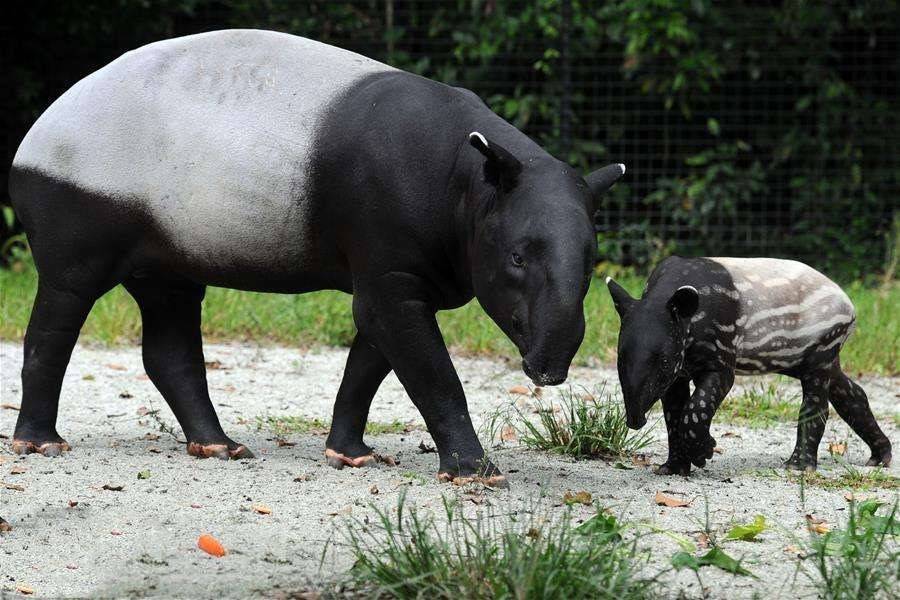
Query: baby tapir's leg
[(676, 399), (173, 358), (710, 388), (851, 403), (366, 369), (811, 424)]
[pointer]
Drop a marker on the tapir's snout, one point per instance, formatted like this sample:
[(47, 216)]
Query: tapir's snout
[(635, 421), (544, 375)]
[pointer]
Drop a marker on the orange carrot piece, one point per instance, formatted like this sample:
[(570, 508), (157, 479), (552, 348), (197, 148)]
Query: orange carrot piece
[(211, 545)]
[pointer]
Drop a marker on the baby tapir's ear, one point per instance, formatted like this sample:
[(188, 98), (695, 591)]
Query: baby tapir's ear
[(501, 169), (684, 302), (621, 299), (602, 179)]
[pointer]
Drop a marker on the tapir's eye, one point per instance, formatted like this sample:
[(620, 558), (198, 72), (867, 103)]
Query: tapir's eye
[(517, 259)]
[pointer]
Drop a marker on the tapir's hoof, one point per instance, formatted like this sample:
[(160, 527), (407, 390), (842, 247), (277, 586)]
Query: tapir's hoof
[(672, 469), (883, 460), (221, 451), (799, 464), (493, 481), (45, 448), (338, 461)]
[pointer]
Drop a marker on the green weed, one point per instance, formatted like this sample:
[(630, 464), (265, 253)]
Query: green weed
[(405, 553), (285, 425), (861, 560), (762, 405), (853, 478), (582, 426)]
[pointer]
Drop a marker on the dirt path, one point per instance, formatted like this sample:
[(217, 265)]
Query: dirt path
[(142, 540)]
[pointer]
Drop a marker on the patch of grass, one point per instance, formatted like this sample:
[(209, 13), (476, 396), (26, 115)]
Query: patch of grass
[(324, 318), (405, 553), (285, 425), (861, 560), (762, 405), (853, 478), (582, 426)]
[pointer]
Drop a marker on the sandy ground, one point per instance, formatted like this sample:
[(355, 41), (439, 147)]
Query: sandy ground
[(142, 540)]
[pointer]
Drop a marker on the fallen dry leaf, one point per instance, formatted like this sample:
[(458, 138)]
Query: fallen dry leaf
[(817, 525), (508, 434), (195, 505), (837, 448), (373, 490), (538, 392), (731, 434), (302, 478), (211, 545), (113, 487), (4, 526), (284, 443), (262, 509), (24, 589), (13, 486), (663, 500), (125, 395), (71, 567), (9, 406), (386, 459), (519, 390), (143, 411), (718, 450), (344, 511), (792, 549), (581, 497), (115, 532), (702, 540), (214, 365), (73, 503), (116, 367), (426, 448), (151, 437), (851, 497), (17, 470), (640, 460)]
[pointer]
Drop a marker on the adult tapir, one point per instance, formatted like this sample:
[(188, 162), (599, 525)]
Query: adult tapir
[(263, 161)]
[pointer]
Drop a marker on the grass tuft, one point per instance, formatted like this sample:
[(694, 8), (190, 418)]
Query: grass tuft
[(762, 405), (861, 560), (853, 478), (405, 553), (582, 426)]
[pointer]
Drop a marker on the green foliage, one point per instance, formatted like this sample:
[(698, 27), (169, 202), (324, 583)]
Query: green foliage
[(405, 553), (716, 557), (761, 405), (748, 531), (861, 560), (582, 425)]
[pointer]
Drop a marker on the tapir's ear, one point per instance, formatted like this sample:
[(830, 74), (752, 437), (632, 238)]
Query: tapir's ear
[(621, 299), (602, 179), (684, 301), (501, 169)]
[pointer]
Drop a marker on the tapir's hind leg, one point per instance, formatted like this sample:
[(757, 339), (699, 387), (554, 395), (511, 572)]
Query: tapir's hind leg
[(811, 424), (56, 319), (366, 369), (852, 404), (173, 358)]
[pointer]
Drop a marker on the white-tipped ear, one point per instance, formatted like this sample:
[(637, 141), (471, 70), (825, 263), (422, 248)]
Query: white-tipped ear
[(685, 301), (477, 136), (621, 166), (608, 279)]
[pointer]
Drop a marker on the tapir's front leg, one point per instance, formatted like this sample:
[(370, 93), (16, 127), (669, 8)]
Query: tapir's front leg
[(674, 402), (394, 312), (710, 388)]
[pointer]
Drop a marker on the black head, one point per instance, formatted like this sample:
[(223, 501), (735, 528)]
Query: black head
[(651, 345), (533, 252)]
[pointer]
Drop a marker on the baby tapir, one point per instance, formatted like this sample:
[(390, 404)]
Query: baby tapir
[(707, 319)]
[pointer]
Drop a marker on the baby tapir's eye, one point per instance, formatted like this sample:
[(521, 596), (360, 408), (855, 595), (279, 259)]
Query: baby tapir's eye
[(517, 260)]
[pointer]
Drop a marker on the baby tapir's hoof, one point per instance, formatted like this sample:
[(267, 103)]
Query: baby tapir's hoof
[(801, 462), (46, 448), (673, 468), (223, 451), (879, 460)]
